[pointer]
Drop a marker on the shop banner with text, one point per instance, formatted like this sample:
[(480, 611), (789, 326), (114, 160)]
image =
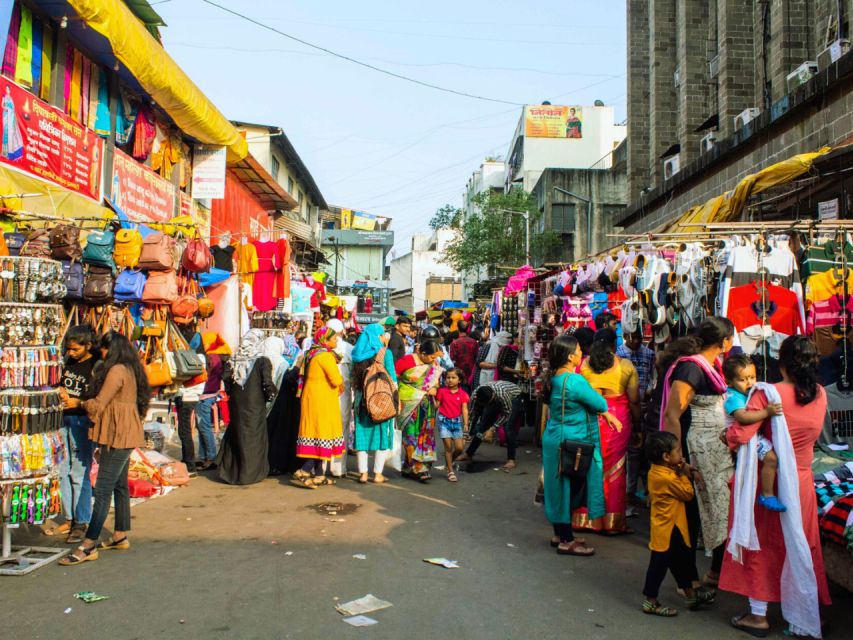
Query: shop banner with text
[(44, 142), (140, 192), (552, 121), (208, 172)]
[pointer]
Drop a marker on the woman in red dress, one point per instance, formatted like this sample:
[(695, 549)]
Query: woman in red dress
[(765, 575)]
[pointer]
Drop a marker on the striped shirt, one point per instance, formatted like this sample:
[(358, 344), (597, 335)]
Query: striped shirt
[(505, 392)]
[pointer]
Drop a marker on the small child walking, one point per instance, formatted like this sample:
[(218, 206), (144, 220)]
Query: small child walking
[(669, 488), (739, 371), (452, 403)]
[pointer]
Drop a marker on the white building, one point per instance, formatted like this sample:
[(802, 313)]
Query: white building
[(491, 176), (419, 278), (561, 137)]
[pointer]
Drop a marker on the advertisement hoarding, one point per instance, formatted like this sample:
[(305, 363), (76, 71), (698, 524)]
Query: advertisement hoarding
[(553, 121)]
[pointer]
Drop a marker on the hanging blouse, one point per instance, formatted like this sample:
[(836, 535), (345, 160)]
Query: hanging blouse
[(821, 286), (779, 309), (246, 261), (822, 257)]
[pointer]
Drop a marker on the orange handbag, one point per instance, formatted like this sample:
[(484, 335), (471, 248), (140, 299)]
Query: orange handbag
[(156, 366)]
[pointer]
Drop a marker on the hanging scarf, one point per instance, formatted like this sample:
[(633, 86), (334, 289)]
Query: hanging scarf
[(323, 333), (798, 582), (10, 55), (24, 66), (247, 355), (37, 52), (714, 375), (46, 57)]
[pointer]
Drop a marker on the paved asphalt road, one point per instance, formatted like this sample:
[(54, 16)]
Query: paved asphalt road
[(211, 561)]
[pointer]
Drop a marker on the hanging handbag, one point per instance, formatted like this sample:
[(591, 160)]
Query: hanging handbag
[(156, 367), (186, 362), (73, 274), (185, 306), (37, 245), (128, 246), (99, 249), (98, 286), (197, 257), (157, 252), (65, 242), (152, 325), (160, 288), (575, 455), (130, 285)]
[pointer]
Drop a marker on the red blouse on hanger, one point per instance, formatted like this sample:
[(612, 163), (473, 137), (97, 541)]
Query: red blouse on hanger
[(782, 310), (282, 279)]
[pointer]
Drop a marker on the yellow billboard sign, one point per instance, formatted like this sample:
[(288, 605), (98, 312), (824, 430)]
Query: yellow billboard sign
[(553, 121)]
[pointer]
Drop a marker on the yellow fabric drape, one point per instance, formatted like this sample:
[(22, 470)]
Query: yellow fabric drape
[(74, 91), (46, 58), (24, 68), (159, 75)]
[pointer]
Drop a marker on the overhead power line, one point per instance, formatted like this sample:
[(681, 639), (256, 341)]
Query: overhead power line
[(359, 62)]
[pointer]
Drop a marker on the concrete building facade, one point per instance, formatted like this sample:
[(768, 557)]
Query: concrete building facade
[(418, 276), (719, 90)]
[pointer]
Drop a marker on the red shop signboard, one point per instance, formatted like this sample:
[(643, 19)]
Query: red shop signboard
[(141, 193), (41, 140)]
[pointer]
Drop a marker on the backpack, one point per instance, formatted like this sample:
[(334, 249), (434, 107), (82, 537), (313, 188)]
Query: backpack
[(157, 252), (73, 273), (14, 242), (128, 247), (98, 287), (65, 242), (99, 249), (380, 392), (130, 285), (161, 287), (37, 245)]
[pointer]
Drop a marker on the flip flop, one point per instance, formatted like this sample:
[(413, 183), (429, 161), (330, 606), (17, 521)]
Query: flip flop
[(58, 529), (302, 483), (572, 550), (753, 631), (451, 477), (555, 541)]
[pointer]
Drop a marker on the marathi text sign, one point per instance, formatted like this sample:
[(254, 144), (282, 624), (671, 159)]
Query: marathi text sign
[(208, 172), (551, 121), (44, 142), (140, 192)]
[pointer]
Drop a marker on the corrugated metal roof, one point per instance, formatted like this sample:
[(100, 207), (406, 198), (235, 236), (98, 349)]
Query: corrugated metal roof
[(269, 193)]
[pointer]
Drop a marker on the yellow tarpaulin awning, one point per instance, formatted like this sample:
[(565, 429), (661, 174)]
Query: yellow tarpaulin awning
[(160, 75)]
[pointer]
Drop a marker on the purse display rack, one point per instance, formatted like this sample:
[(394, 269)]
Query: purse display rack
[(31, 367), (31, 325), (25, 279)]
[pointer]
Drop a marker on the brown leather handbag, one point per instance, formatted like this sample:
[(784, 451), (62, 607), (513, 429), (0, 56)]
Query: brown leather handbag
[(196, 257), (157, 252), (64, 242), (160, 288), (185, 306), (37, 245)]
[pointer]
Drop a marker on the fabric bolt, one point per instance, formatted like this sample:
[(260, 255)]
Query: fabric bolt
[(570, 417), (759, 576), (243, 454)]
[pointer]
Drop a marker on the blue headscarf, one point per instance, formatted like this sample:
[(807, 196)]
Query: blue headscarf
[(369, 344)]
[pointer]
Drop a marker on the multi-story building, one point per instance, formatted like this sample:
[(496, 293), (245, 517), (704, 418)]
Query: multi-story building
[(491, 176), (419, 277), (356, 247), (719, 90)]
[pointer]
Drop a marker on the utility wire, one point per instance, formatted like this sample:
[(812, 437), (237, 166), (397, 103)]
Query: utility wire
[(359, 62)]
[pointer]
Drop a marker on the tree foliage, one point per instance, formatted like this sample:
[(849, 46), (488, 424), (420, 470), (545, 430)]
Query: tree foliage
[(492, 235), (448, 217)]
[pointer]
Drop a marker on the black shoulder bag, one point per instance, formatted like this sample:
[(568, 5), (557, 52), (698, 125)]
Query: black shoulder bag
[(575, 455)]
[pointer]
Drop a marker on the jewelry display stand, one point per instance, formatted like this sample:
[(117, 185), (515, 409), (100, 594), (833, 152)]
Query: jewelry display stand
[(25, 326)]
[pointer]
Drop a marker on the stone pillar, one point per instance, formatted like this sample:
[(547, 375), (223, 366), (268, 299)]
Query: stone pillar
[(790, 42), (638, 98), (736, 80), (663, 105), (694, 99)]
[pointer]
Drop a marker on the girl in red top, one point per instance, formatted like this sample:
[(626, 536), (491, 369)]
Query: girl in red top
[(452, 403)]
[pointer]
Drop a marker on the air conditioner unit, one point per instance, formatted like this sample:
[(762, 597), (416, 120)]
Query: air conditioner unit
[(671, 166), (676, 77), (746, 116), (707, 143), (714, 67), (801, 75), (832, 53)]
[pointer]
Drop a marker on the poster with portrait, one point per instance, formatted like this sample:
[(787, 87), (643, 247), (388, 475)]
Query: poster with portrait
[(553, 121)]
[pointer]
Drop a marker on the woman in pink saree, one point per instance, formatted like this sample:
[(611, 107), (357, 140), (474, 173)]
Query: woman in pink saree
[(616, 379)]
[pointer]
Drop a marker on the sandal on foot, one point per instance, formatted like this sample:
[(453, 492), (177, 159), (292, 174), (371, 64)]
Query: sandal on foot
[(118, 545), (757, 632), (509, 466), (451, 477), (379, 479), (76, 535), (575, 548), (324, 481), (362, 479), (555, 541), (58, 529), (700, 597), (423, 477), (657, 609), (88, 555), (302, 482)]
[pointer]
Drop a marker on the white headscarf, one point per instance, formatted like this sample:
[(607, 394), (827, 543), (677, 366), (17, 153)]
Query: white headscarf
[(244, 360), (273, 349), (500, 339)]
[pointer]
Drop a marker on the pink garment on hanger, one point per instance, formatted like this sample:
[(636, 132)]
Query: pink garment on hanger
[(518, 281), (265, 276)]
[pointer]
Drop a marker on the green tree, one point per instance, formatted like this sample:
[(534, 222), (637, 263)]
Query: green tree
[(448, 217), (494, 235)]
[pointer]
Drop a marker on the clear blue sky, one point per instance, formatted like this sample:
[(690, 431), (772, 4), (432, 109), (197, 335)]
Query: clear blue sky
[(380, 144)]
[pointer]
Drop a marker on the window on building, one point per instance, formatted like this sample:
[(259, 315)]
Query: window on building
[(299, 197), (274, 168), (290, 185), (563, 218)]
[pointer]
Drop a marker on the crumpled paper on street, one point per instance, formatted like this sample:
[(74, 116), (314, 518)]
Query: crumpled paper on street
[(365, 604), (90, 596)]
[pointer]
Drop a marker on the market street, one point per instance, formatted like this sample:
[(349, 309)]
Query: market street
[(215, 557)]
